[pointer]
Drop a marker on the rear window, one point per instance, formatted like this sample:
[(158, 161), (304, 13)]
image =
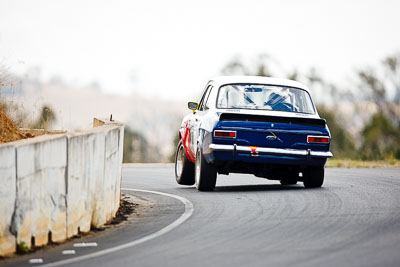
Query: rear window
[(264, 97)]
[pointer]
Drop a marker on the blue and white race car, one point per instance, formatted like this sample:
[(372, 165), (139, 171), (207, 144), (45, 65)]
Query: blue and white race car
[(263, 126)]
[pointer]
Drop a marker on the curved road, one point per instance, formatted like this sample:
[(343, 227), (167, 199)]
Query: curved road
[(354, 220)]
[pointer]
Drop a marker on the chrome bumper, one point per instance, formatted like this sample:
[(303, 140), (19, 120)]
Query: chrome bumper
[(271, 151)]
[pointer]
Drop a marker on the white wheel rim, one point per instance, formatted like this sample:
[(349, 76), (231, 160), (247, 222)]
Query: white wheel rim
[(197, 170)]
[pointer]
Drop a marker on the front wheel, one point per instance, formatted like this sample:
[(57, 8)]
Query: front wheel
[(184, 169), (205, 174), (313, 177)]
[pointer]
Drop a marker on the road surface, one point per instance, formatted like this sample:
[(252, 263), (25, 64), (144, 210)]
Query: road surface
[(354, 220)]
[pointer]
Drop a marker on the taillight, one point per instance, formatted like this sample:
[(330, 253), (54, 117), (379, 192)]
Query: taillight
[(318, 139), (225, 134)]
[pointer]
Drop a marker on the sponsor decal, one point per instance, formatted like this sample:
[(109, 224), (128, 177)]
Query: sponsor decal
[(273, 137)]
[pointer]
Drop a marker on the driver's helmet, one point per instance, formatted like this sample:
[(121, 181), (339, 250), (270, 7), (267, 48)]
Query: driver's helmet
[(280, 101), (276, 98)]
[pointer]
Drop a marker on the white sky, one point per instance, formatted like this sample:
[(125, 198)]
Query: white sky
[(171, 48)]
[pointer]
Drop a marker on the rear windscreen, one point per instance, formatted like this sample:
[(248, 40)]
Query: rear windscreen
[(265, 97)]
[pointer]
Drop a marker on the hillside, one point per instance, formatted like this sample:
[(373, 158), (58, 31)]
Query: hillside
[(155, 119)]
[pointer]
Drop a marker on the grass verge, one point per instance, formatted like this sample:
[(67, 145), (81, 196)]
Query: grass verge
[(348, 163)]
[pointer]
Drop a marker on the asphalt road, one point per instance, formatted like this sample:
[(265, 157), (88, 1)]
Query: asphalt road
[(354, 220)]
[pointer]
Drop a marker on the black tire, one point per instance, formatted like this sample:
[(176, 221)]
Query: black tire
[(184, 169), (313, 177), (205, 174)]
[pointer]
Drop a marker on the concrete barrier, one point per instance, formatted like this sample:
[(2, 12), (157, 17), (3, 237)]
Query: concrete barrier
[(113, 163), (85, 170), (7, 197), (111, 170), (40, 209), (117, 195), (55, 186)]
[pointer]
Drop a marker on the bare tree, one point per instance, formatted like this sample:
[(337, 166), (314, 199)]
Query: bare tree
[(384, 89), (46, 118), (261, 66)]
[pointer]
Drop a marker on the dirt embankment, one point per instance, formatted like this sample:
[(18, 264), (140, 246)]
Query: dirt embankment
[(8, 131)]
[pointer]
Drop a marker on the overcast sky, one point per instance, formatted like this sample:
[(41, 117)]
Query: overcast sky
[(171, 48)]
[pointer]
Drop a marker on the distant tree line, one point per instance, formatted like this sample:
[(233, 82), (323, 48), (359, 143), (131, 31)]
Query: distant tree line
[(138, 149)]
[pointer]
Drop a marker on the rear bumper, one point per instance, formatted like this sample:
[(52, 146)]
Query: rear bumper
[(285, 152)]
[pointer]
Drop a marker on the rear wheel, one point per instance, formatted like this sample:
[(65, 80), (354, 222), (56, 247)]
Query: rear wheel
[(313, 177), (205, 174), (184, 169)]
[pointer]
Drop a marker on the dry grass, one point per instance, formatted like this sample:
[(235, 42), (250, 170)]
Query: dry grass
[(13, 115), (8, 131), (348, 163)]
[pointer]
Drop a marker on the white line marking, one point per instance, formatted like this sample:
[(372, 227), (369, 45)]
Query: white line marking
[(34, 261), (84, 245), (186, 215), (68, 252)]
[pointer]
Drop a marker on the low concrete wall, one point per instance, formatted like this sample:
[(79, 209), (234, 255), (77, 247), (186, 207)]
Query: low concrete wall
[(40, 210), (85, 170), (56, 186), (7, 197)]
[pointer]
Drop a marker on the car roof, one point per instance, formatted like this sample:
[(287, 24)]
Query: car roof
[(221, 80)]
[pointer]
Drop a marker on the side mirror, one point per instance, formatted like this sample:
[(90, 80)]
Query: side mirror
[(192, 105)]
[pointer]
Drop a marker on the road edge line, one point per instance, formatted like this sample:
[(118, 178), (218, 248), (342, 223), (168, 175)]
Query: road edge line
[(186, 215)]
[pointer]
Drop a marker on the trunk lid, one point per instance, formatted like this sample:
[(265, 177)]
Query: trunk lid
[(272, 131)]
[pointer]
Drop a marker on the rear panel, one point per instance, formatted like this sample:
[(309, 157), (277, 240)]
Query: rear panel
[(271, 132), (274, 135)]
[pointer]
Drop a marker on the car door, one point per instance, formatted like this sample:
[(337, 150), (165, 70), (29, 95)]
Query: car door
[(198, 118)]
